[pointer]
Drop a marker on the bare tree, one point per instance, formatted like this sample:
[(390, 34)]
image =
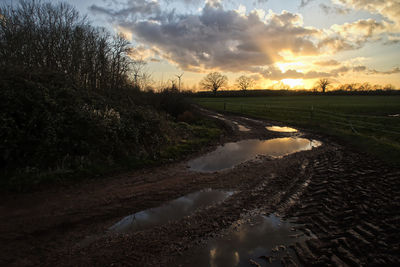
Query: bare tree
[(389, 87), (43, 37), (213, 81), (138, 66), (244, 82), (323, 84)]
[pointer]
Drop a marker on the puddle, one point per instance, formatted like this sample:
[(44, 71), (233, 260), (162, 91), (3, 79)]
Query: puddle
[(394, 115), (173, 210), (281, 129), (242, 128), (231, 154), (260, 239)]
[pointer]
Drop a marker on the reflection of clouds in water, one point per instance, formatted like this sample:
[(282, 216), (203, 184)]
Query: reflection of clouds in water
[(250, 241), (173, 210), (231, 154)]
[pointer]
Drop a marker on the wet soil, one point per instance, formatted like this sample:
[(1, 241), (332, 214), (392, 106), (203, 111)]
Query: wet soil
[(346, 203)]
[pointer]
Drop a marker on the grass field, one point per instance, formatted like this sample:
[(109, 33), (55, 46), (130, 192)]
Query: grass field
[(362, 121)]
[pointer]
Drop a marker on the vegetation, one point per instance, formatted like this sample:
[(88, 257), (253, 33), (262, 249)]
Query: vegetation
[(214, 81), (69, 106), (371, 123), (244, 82), (323, 84)]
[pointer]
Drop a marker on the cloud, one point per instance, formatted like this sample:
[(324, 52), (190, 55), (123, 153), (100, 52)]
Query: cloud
[(359, 68), (132, 9), (331, 62), (304, 3), (392, 71), (224, 39), (392, 39), (273, 73), (354, 35), (362, 68), (228, 40), (390, 9), (334, 9)]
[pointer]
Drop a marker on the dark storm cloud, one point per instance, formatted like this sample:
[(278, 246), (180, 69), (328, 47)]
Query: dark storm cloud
[(223, 39)]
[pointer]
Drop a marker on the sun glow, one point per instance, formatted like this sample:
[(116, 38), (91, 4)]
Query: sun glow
[(293, 82)]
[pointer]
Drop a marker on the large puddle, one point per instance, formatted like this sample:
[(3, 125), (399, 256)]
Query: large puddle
[(231, 154), (262, 240), (173, 210), (281, 129)]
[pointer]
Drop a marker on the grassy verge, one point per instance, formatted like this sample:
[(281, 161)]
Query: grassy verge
[(360, 121), (185, 138)]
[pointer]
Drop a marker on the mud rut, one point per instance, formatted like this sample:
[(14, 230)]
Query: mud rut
[(347, 203)]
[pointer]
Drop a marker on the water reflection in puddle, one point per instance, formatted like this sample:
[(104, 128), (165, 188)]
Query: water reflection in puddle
[(281, 129), (231, 154), (171, 211), (261, 239), (241, 128)]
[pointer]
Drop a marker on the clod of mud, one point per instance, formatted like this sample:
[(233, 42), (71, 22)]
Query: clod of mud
[(259, 240), (231, 154), (281, 129), (173, 210)]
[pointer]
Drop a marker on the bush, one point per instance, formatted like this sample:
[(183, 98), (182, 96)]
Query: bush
[(54, 126)]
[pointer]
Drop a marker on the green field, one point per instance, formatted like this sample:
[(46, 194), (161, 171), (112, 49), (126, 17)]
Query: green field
[(361, 121)]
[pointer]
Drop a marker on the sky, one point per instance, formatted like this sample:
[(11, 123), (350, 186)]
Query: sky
[(294, 42)]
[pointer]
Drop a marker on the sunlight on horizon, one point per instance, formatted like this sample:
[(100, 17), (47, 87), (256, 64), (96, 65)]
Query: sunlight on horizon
[(293, 82)]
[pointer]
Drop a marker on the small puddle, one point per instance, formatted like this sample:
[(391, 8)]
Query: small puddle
[(394, 115), (242, 128), (281, 129), (265, 239), (173, 210), (232, 154)]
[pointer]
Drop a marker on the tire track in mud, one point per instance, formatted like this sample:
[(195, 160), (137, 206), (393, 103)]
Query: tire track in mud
[(352, 207)]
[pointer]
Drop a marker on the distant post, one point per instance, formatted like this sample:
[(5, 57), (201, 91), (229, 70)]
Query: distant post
[(312, 112), (224, 105)]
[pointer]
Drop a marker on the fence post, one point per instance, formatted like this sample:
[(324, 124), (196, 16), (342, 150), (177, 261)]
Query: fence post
[(241, 108), (312, 112), (224, 105)]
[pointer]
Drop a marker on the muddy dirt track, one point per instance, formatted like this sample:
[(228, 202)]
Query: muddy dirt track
[(346, 203)]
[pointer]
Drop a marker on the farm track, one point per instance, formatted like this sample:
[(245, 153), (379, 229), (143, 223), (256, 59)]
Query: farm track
[(346, 202), (352, 207)]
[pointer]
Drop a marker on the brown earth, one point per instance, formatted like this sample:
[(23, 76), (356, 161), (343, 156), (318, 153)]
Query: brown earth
[(351, 205)]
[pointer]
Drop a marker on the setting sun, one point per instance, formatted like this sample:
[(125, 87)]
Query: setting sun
[(293, 82)]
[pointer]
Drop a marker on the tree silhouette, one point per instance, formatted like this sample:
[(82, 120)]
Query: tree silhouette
[(323, 84), (213, 81), (244, 82)]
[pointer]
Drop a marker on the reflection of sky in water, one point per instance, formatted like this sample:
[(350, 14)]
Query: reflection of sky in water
[(173, 210), (231, 154), (248, 242), (281, 129), (241, 127)]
